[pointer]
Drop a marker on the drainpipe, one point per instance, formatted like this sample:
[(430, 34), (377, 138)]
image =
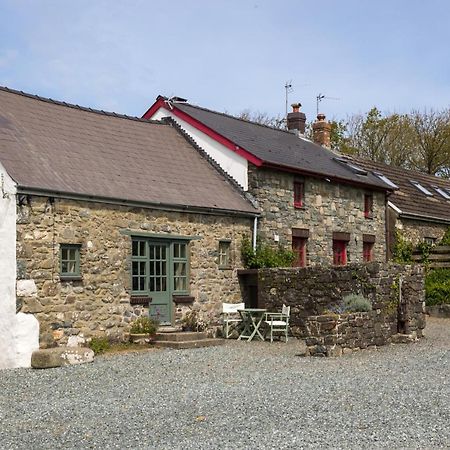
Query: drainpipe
[(255, 229)]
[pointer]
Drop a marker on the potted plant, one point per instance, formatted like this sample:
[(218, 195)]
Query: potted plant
[(192, 322), (143, 330)]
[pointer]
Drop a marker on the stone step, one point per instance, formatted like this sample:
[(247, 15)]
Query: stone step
[(168, 329), (209, 342), (181, 336)]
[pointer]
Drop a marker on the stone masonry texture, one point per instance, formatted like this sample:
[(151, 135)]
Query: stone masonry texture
[(99, 303), (315, 294), (328, 207)]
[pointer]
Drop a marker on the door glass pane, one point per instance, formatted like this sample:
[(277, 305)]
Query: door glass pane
[(157, 284), (163, 284), (142, 248), (152, 284), (142, 284)]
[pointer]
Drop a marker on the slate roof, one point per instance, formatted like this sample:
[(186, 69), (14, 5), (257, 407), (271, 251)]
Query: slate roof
[(55, 147), (408, 198), (279, 148)]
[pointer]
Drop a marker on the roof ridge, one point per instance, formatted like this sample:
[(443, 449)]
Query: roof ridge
[(210, 160), (78, 107), (233, 117)]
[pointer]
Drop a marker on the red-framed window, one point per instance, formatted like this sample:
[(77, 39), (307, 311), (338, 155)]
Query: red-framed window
[(368, 206), (299, 191), (367, 251), (339, 253), (299, 248)]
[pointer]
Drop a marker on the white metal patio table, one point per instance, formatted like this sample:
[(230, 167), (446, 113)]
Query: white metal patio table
[(252, 318)]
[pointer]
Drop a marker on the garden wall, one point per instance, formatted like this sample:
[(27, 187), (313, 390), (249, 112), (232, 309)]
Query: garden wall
[(395, 291)]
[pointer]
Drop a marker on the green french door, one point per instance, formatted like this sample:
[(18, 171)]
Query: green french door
[(159, 283), (159, 270)]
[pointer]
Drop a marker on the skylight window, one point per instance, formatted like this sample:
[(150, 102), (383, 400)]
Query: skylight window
[(352, 167), (422, 188), (443, 193), (385, 179)]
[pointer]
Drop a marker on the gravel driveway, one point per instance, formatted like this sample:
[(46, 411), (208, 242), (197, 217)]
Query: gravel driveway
[(241, 395)]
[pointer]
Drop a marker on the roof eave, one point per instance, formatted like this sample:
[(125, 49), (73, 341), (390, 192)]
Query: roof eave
[(24, 190), (415, 216)]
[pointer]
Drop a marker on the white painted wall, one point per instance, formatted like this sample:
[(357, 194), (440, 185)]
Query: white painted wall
[(19, 333), (232, 163)]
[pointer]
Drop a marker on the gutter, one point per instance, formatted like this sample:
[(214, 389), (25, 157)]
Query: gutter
[(414, 216), (134, 203)]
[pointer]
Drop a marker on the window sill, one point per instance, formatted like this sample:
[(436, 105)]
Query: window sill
[(182, 299), (70, 278), (225, 268), (140, 300), (299, 207)]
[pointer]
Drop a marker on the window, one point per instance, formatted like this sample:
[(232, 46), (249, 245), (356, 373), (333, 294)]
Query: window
[(430, 240), (224, 254), (422, 188), (368, 206), (442, 192), (299, 248), (70, 261), (339, 253), (159, 266), (299, 188), (367, 251), (385, 179), (180, 267)]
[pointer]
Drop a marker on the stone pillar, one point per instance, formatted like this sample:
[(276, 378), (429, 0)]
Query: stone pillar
[(322, 131)]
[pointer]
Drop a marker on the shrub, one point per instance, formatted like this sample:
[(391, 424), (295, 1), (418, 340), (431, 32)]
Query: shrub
[(144, 325), (446, 238), (99, 345), (356, 303), (437, 287), (192, 322), (403, 249), (265, 256)]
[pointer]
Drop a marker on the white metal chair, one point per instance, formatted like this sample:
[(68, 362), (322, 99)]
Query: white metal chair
[(278, 322), (231, 318)]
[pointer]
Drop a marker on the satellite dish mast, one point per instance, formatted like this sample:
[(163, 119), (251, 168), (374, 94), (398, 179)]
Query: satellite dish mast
[(320, 97)]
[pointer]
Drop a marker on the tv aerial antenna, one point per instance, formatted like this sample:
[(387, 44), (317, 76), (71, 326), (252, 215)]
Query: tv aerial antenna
[(321, 97)]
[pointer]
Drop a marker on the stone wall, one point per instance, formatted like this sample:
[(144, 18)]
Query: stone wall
[(99, 303), (329, 208), (396, 293), (337, 334), (417, 230)]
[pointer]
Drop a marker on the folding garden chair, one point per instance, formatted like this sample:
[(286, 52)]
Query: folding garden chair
[(231, 318), (278, 322)]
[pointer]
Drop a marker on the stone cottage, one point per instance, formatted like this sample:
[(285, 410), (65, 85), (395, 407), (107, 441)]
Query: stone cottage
[(420, 204), (328, 209), (104, 218)]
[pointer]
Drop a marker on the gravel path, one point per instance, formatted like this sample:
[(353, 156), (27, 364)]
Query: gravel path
[(238, 396)]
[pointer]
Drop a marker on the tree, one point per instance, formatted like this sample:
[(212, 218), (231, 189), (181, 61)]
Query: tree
[(263, 119)]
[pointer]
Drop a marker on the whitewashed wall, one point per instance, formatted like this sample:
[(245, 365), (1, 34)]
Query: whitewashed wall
[(19, 333), (232, 163)]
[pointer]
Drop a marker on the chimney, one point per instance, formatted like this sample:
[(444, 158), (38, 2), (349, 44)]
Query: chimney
[(296, 119), (322, 131)]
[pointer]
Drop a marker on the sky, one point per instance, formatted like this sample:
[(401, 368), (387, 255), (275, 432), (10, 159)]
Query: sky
[(230, 55)]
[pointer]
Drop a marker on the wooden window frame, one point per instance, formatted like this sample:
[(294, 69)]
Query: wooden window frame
[(224, 263), (368, 251), (368, 206), (66, 275), (338, 246), (171, 265), (299, 250), (299, 194)]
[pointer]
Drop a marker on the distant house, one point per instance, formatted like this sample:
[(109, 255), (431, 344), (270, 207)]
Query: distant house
[(102, 216), (331, 211), (420, 204)]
